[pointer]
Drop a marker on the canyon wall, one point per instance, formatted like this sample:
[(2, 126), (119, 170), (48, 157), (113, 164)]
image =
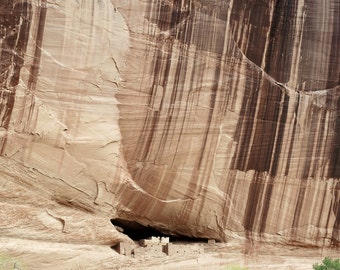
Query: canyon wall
[(209, 119)]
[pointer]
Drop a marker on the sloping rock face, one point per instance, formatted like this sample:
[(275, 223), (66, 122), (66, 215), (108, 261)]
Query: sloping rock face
[(211, 119), (60, 138)]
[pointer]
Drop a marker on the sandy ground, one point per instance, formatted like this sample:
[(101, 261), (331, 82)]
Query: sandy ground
[(30, 254)]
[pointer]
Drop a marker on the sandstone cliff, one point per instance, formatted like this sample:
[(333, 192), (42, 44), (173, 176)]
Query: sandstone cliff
[(213, 119)]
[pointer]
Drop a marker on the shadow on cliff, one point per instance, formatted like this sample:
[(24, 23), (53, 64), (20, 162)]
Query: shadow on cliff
[(137, 231)]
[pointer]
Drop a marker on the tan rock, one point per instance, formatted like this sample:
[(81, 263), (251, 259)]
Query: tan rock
[(234, 129), (208, 119)]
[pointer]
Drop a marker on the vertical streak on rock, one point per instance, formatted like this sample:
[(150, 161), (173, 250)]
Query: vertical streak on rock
[(245, 124), (334, 168), (261, 128), (37, 54), (215, 115), (266, 203), (282, 119), (250, 23), (253, 198), (152, 118), (296, 53), (333, 77), (336, 210), (34, 70), (320, 67), (15, 27), (298, 207), (322, 214), (264, 110), (24, 9), (312, 114), (291, 142), (281, 36)]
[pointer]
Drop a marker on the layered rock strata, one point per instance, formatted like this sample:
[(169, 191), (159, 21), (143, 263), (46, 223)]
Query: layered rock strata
[(212, 119)]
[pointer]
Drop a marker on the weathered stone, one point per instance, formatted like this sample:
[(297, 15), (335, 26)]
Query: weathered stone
[(180, 250), (125, 248), (229, 114), (211, 119)]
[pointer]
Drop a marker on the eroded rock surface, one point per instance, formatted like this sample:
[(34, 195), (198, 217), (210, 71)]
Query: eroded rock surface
[(236, 129), (211, 119), (60, 138)]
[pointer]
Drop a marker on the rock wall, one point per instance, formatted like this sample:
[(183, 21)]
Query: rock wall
[(60, 137), (213, 119), (229, 118)]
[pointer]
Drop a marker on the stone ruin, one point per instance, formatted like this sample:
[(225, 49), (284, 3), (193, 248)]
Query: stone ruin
[(183, 250), (158, 246), (125, 248)]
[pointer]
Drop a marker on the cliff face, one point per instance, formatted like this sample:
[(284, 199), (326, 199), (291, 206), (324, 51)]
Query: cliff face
[(60, 137), (211, 119), (237, 117)]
